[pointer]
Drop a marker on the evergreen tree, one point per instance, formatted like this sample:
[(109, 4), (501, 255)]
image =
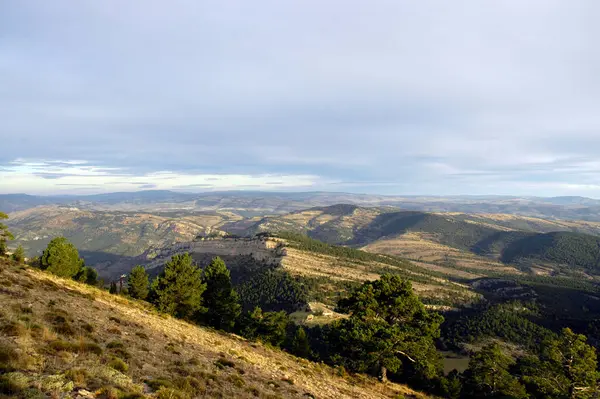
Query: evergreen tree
[(19, 254), (113, 288), (178, 289), (5, 235), (138, 283), (488, 376), (566, 368), (389, 328), (266, 326), (61, 258), (300, 345), (87, 275), (220, 299)]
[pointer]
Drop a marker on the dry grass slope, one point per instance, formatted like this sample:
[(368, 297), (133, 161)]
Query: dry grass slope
[(64, 339)]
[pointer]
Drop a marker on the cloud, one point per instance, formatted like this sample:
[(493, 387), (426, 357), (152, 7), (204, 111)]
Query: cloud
[(27, 175), (392, 96)]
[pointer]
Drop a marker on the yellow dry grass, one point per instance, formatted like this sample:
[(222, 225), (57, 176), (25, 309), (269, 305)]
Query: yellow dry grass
[(431, 255), (156, 346)]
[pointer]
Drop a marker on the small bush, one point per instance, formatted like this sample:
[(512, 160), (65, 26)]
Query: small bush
[(8, 359), (158, 383), (60, 322), (108, 392), (13, 329), (90, 347), (222, 363), (237, 380), (62, 346), (115, 344), (133, 395), (142, 335), (171, 393), (78, 376), (115, 319), (118, 364), (87, 327), (12, 384)]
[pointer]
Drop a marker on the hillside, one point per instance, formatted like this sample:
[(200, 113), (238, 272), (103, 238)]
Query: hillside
[(100, 234), (59, 337), (461, 241), (326, 272)]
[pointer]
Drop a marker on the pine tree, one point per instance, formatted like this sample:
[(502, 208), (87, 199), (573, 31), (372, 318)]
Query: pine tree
[(566, 368), (389, 327), (87, 275), (266, 326), (61, 258), (488, 376), (300, 345), (178, 289), (220, 299), (138, 283), (5, 235), (19, 254), (113, 287)]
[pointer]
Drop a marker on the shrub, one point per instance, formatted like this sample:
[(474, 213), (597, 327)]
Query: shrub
[(108, 392), (118, 364), (19, 255), (90, 347), (13, 329), (78, 376), (158, 383), (133, 395), (12, 383), (60, 322), (171, 393), (222, 363), (115, 344), (8, 358), (61, 346), (237, 380)]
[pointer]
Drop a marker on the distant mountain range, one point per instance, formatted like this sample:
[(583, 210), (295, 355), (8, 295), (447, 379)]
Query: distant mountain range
[(264, 203)]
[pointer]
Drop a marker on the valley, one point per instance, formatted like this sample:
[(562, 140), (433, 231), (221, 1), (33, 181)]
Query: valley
[(496, 278)]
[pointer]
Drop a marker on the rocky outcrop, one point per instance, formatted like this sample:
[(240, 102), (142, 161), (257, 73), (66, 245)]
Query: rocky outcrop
[(267, 251)]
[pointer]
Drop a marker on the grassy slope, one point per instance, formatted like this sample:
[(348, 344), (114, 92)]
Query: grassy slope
[(52, 329), (328, 270)]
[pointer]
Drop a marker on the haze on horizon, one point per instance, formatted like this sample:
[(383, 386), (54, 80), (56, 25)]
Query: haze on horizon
[(387, 97)]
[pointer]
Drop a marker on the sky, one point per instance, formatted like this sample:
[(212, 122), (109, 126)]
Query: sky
[(388, 97)]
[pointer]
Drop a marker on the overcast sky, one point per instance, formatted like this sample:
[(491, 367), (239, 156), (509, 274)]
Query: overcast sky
[(392, 97)]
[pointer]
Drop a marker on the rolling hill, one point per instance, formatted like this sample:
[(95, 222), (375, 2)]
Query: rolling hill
[(102, 235), (254, 203), (449, 239)]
